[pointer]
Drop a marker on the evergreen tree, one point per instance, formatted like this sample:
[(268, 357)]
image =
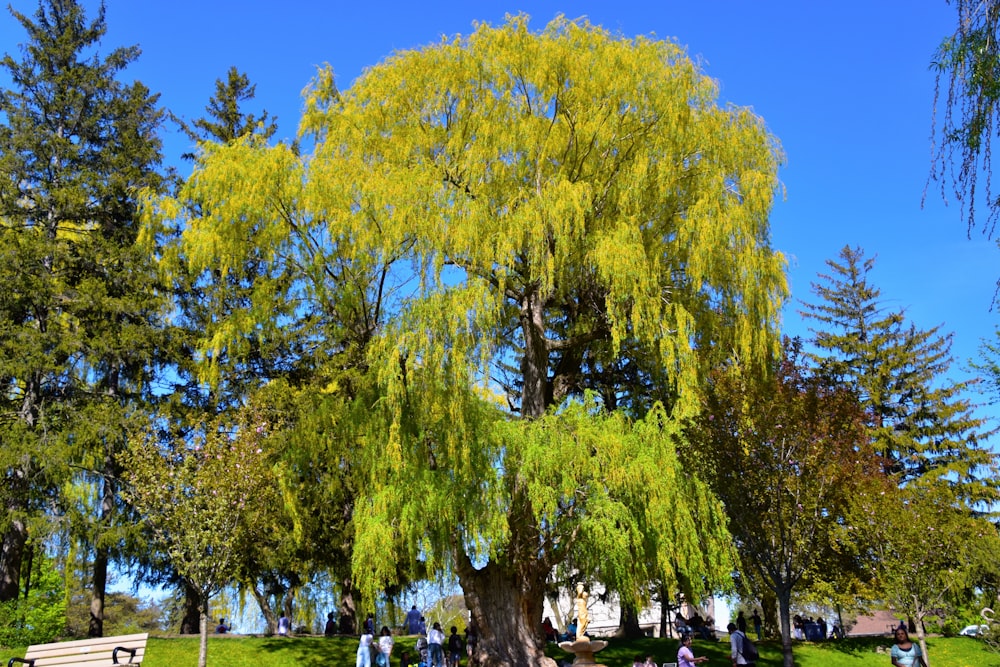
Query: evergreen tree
[(286, 359), (226, 119), (79, 315), (922, 426)]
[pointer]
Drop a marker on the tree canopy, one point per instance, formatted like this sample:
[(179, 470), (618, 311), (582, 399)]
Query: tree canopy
[(79, 310), (787, 455), (567, 229), (922, 423)]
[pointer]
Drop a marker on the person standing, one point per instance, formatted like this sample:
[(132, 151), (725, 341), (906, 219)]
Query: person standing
[(741, 622), (757, 624), (471, 638), (736, 643), (384, 646), (685, 656), (435, 645), (454, 647), (284, 625), (413, 621), (905, 653), (331, 627), (365, 650)]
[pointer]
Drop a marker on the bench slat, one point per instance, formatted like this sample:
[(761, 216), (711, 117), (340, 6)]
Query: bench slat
[(96, 652)]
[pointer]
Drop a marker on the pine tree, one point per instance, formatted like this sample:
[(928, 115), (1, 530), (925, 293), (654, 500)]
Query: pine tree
[(922, 426), (79, 315)]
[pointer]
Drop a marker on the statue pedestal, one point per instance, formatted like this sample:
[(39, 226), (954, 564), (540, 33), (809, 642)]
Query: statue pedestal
[(584, 650)]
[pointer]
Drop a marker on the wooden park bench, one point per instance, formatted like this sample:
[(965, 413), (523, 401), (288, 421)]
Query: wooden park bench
[(96, 652)]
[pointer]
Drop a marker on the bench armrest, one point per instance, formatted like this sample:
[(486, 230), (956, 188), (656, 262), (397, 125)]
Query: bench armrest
[(30, 663), (130, 651)]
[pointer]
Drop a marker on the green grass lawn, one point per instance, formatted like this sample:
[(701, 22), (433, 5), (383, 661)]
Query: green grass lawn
[(238, 651)]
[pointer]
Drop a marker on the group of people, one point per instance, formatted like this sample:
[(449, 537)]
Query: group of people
[(433, 649), (375, 652), (695, 625), (809, 628)]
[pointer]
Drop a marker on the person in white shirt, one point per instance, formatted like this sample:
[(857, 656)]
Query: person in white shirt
[(385, 644), (736, 645), (365, 650), (685, 657), (435, 645)]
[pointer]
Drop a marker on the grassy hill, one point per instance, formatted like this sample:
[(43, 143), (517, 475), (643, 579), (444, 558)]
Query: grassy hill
[(241, 651)]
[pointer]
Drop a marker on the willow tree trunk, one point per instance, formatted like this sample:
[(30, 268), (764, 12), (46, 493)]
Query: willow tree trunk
[(264, 602), (628, 625), (507, 610), (347, 609)]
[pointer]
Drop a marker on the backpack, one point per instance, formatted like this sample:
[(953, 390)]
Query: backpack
[(747, 649)]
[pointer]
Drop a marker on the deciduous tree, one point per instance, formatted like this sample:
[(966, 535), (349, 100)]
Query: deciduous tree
[(547, 217), (928, 552), (206, 499), (786, 455)]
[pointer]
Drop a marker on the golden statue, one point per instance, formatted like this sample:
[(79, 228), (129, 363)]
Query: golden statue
[(582, 616)]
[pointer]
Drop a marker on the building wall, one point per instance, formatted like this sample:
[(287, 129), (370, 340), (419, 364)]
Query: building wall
[(605, 616)]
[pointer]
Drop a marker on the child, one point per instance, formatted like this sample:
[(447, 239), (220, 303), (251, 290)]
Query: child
[(423, 652), (454, 647)]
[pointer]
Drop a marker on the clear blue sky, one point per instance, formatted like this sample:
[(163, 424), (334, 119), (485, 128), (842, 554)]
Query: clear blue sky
[(845, 86)]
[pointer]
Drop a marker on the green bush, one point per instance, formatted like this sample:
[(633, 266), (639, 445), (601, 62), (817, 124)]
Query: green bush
[(41, 616)]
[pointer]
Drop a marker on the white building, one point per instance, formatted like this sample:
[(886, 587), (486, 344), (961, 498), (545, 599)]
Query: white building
[(605, 613)]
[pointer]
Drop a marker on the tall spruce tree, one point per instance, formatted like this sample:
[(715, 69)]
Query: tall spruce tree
[(79, 319), (922, 424), (226, 119)]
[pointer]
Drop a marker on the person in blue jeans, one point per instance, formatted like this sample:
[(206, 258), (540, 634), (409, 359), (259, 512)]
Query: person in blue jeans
[(435, 645)]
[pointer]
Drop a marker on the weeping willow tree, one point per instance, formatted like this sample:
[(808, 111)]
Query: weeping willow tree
[(967, 105), (565, 230)]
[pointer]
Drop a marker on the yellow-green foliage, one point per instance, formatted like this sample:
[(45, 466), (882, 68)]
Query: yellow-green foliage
[(562, 166), (569, 186), (556, 159)]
